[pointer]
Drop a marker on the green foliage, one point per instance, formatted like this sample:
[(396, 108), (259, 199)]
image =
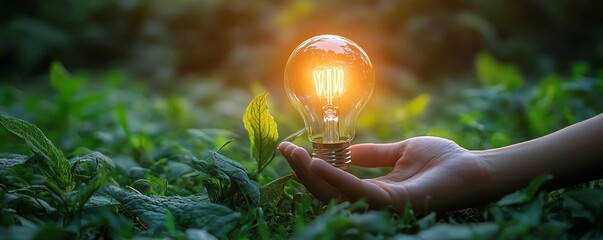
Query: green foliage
[(340, 221), (271, 193), (229, 180), (460, 231), (197, 36), (493, 73), (7, 161), (263, 132), (66, 85), (417, 106), (184, 212), (585, 204), (50, 159), (525, 195), (175, 164)]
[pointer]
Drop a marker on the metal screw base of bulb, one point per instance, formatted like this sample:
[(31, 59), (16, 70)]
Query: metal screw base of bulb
[(336, 154)]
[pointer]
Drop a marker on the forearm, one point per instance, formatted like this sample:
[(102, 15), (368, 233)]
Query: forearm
[(571, 155)]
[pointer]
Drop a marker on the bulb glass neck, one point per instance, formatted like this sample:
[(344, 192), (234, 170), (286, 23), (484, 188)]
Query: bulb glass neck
[(330, 124)]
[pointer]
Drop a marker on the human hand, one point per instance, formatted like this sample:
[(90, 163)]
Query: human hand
[(430, 173)]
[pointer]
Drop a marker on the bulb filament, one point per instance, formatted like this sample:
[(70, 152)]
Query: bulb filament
[(329, 82)]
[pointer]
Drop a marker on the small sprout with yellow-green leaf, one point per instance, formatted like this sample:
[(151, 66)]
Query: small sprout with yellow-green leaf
[(262, 129)]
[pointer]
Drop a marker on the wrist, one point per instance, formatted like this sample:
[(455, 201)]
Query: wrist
[(513, 167), (498, 178)]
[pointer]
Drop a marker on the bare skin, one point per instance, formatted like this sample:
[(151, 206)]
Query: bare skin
[(437, 174)]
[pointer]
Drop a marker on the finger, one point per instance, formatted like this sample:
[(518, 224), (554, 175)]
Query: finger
[(300, 160), (350, 185), (286, 149), (283, 147), (297, 166), (289, 149), (377, 155)]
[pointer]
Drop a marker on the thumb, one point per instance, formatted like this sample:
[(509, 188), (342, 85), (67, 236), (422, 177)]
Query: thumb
[(377, 155)]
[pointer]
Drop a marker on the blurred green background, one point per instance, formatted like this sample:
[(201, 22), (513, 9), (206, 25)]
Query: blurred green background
[(250, 40), (483, 73)]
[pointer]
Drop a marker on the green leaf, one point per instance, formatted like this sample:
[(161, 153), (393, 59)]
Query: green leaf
[(158, 186), (29, 203), (584, 204), (272, 192), (417, 105), (7, 161), (188, 212), (427, 221), (536, 184), (49, 159), (525, 195), (99, 200), (499, 139), (177, 111), (460, 231), (374, 221), (192, 233), (229, 171), (262, 130), (95, 161), (66, 84), (170, 223), (320, 224), (83, 194), (94, 156), (579, 69), (513, 198), (121, 115), (493, 73), (238, 174), (530, 213), (262, 226), (58, 75)]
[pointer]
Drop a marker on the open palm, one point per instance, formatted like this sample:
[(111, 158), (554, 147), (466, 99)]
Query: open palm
[(429, 173)]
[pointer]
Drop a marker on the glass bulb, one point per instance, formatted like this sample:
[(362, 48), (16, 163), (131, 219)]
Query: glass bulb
[(329, 79)]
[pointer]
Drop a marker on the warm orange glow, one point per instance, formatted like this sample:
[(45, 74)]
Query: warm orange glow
[(329, 79), (329, 82)]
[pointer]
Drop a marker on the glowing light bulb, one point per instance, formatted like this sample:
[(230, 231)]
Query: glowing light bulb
[(329, 79)]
